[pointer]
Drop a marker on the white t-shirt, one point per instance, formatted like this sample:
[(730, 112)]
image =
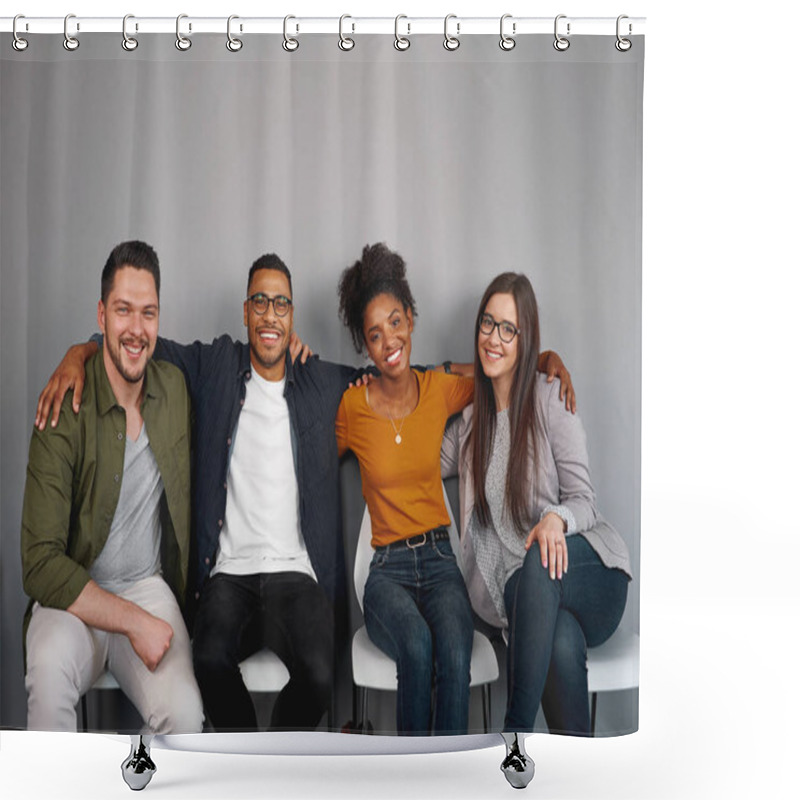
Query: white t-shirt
[(261, 529)]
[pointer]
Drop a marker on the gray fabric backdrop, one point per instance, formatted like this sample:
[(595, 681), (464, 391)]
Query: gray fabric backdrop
[(468, 163)]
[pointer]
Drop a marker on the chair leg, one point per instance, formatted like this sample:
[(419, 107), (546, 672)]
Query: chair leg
[(594, 710), (486, 694), (364, 708), (84, 712)]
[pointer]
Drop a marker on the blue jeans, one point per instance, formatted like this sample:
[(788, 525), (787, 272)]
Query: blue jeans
[(417, 611), (551, 623)]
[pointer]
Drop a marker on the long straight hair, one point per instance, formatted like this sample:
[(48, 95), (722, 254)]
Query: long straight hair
[(522, 469)]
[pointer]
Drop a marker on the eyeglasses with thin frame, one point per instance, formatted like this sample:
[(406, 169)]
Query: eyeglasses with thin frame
[(260, 303), (506, 330)]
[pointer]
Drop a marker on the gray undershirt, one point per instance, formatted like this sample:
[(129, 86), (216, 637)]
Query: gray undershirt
[(132, 551), (499, 549)]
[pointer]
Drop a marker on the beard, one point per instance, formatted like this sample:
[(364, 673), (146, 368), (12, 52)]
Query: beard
[(132, 374)]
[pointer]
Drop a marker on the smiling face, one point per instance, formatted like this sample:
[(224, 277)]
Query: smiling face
[(387, 334), (268, 334), (499, 358), (129, 321)]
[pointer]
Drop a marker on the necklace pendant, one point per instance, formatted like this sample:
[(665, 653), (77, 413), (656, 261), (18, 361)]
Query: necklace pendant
[(398, 439)]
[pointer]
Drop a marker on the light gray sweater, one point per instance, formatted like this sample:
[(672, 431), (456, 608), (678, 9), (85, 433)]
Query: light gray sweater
[(563, 485)]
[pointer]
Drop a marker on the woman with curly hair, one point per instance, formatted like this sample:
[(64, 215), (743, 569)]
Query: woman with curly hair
[(416, 607)]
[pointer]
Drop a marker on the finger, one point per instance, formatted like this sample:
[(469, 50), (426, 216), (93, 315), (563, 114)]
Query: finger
[(39, 421), (553, 557), (77, 396), (529, 540), (543, 552), (565, 556), (559, 559)]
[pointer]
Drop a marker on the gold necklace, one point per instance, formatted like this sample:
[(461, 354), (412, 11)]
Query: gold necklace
[(397, 437)]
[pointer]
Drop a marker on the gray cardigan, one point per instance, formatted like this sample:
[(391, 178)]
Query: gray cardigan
[(564, 486)]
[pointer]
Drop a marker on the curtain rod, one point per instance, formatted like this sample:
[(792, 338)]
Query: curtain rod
[(348, 25)]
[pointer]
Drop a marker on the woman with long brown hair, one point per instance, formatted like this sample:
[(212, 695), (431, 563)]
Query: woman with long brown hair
[(540, 563)]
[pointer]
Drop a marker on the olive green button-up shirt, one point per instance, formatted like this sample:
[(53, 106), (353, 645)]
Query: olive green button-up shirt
[(74, 478)]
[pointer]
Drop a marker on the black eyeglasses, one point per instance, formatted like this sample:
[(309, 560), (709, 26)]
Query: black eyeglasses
[(506, 330), (261, 302)]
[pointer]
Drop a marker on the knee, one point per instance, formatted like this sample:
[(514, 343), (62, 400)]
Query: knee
[(415, 650), (180, 712)]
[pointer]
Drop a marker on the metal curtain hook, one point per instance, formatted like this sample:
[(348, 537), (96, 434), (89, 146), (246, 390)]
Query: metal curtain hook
[(290, 44), (233, 44), (622, 44), (507, 42), (182, 42), (70, 42), (561, 43), (129, 43), (345, 42), (451, 42), (19, 44), (401, 42)]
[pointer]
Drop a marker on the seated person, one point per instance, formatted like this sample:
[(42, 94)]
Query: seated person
[(105, 524)]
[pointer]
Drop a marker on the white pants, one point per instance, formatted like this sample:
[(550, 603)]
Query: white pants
[(65, 657)]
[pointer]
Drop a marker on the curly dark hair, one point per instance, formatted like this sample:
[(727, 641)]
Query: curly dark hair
[(379, 271)]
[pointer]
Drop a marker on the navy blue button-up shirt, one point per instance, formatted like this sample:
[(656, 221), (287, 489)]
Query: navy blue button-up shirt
[(217, 376)]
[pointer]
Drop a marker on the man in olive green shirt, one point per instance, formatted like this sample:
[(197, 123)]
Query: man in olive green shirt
[(105, 524)]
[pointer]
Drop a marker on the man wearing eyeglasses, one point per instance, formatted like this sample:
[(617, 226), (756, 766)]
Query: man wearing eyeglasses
[(269, 556)]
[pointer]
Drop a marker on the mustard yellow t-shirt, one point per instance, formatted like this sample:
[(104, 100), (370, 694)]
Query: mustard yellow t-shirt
[(402, 483)]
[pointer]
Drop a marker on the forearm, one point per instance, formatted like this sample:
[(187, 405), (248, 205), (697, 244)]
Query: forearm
[(106, 611), (467, 370)]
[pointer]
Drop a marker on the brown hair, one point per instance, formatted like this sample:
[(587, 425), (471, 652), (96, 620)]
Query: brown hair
[(522, 407)]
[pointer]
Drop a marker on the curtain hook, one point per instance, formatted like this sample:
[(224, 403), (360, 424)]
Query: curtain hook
[(233, 44), (182, 42), (129, 43), (401, 42), (290, 44), (451, 42), (622, 44), (507, 42), (19, 44), (561, 43), (346, 42), (70, 42)]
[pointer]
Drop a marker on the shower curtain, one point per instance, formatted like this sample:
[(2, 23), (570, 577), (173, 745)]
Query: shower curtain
[(469, 162)]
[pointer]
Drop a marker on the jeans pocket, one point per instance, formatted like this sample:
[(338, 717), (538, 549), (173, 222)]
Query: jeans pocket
[(444, 550), (379, 558)]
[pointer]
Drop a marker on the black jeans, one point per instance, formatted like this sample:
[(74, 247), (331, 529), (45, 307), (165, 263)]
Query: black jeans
[(237, 616)]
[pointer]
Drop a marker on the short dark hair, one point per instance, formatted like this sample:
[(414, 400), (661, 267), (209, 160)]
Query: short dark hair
[(269, 261), (136, 254), (379, 271)]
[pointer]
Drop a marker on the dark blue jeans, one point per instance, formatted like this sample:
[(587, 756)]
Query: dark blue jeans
[(237, 616), (551, 623), (417, 611)]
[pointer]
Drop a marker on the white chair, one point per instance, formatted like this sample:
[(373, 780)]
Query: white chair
[(262, 672), (613, 666), (373, 669)]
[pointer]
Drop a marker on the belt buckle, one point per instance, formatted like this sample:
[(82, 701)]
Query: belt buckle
[(422, 539)]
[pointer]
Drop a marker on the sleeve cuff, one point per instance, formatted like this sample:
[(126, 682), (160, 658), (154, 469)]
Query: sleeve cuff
[(564, 513)]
